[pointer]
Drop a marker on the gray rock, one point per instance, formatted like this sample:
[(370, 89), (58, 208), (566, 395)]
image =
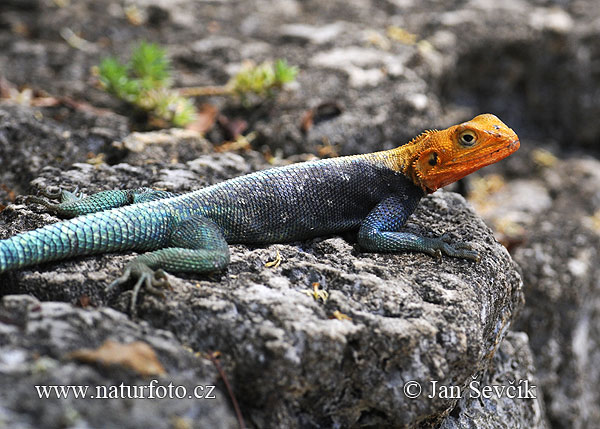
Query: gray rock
[(508, 62), (172, 145), (549, 218), (31, 138), (36, 342), (532, 63), (291, 362), (314, 34), (517, 400), (559, 260)]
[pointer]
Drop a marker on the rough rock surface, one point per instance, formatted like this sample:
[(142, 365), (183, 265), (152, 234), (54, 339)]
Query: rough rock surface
[(291, 362), (33, 138), (37, 341), (512, 366), (374, 74), (517, 59), (557, 211)]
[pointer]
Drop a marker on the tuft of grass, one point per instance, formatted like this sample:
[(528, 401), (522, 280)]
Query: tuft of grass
[(284, 73), (149, 63), (145, 81), (262, 79), (114, 79)]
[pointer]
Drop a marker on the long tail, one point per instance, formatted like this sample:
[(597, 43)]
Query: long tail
[(143, 226)]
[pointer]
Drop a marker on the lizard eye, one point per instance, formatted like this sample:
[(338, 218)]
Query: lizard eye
[(467, 138)]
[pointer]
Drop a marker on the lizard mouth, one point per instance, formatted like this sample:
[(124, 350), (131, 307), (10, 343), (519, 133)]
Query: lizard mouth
[(493, 156), (513, 145), (501, 152)]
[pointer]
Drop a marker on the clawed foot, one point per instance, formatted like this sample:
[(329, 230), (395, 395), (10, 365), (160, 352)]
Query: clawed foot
[(61, 195), (152, 281), (50, 207), (442, 245)]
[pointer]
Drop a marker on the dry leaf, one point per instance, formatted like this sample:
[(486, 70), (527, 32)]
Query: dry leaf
[(11, 194), (323, 112), (138, 356), (233, 128), (84, 301), (205, 119)]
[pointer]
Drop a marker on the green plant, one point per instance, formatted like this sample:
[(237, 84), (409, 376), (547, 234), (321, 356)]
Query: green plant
[(145, 81), (261, 80)]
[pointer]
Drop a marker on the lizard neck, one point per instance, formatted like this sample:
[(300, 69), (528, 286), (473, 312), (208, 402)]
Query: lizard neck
[(403, 158)]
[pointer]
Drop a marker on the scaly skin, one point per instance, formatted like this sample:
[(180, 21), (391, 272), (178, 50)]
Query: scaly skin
[(374, 193)]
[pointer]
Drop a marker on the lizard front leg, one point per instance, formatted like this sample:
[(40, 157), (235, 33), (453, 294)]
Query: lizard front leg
[(71, 205), (196, 245), (380, 232)]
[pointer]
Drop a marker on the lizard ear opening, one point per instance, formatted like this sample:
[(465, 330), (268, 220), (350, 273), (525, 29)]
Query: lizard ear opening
[(433, 159), (424, 168), (427, 160)]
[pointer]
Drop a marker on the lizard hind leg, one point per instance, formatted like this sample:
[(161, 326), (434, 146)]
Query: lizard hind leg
[(196, 245), (71, 204)]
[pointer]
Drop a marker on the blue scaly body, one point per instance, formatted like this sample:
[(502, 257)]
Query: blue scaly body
[(374, 193), (268, 206)]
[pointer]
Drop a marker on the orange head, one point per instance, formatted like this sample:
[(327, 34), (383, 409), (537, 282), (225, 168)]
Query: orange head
[(438, 158)]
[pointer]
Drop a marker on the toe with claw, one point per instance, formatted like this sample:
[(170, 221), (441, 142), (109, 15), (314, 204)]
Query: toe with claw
[(153, 281), (63, 197), (444, 245)]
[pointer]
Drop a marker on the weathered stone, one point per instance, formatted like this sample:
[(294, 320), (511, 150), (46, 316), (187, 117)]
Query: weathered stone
[(411, 317), (36, 342), (532, 63), (514, 396)]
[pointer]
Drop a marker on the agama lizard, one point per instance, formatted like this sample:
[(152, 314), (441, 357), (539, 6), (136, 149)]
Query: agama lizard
[(373, 193)]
